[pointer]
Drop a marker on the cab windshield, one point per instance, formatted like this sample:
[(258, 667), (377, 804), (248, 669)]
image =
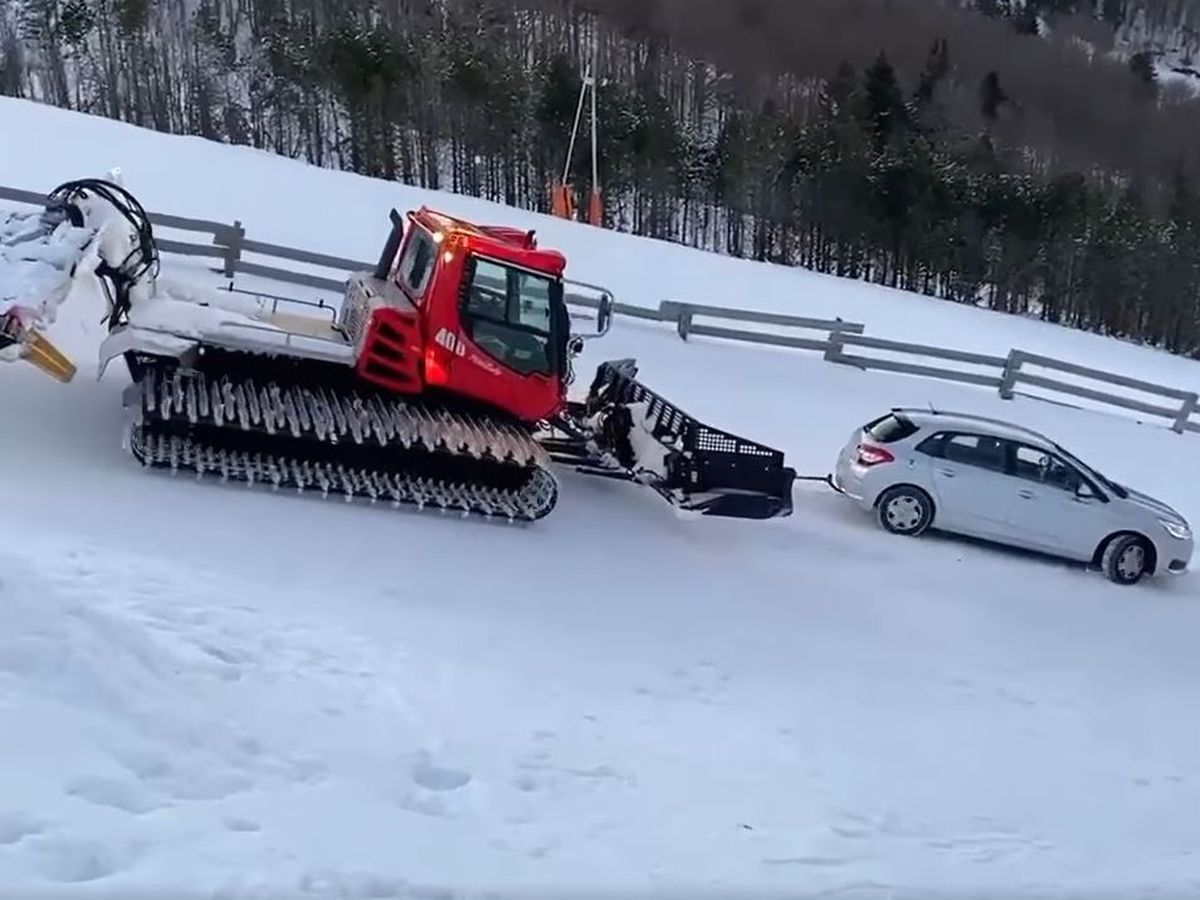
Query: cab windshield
[(512, 314)]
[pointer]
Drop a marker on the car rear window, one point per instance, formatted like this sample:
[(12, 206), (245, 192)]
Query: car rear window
[(890, 428)]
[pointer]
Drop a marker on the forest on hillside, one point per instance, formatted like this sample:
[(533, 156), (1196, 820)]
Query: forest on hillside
[(990, 151)]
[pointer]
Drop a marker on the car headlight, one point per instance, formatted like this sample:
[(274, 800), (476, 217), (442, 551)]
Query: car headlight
[(1177, 530)]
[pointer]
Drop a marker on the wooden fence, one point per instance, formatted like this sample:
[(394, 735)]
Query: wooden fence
[(838, 341)]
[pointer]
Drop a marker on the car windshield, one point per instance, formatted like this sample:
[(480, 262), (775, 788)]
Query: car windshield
[(508, 312), (1099, 476), (1117, 489)]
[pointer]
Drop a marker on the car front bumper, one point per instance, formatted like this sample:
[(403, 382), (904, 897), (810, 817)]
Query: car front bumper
[(1174, 556)]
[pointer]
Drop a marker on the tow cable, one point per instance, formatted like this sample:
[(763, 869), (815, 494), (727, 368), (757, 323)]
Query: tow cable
[(824, 479)]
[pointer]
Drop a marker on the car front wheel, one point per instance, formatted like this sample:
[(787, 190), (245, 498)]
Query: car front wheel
[(904, 510), (1126, 559)]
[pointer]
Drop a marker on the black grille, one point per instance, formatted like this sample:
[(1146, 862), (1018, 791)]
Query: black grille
[(737, 472)]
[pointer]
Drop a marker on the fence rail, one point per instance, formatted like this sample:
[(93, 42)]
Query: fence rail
[(836, 353), (228, 245)]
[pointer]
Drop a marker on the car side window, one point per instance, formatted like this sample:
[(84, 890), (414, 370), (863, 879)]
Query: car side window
[(978, 450), (932, 445), (1037, 465)]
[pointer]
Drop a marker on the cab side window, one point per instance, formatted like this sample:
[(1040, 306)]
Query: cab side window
[(416, 264)]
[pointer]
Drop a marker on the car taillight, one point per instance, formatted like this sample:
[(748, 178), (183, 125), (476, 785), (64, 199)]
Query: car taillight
[(870, 455)]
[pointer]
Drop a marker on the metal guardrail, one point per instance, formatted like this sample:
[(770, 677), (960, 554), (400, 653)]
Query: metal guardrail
[(830, 337), (19, 196), (1180, 414)]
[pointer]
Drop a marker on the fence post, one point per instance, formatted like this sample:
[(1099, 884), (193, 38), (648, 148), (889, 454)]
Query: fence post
[(1012, 366), (1185, 413), (232, 244), (684, 321), (833, 351)]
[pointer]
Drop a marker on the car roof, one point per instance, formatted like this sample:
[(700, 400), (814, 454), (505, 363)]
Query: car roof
[(944, 420)]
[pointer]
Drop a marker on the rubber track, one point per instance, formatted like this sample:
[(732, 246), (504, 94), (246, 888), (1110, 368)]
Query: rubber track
[(311, 439), (331, 415)]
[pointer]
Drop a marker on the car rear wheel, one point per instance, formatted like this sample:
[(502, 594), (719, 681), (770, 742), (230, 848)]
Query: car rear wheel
[(904, 510), (1126, 559)]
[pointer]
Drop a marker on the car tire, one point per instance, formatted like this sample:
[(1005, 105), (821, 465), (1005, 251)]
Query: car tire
[(904, 510), (1126, 559)]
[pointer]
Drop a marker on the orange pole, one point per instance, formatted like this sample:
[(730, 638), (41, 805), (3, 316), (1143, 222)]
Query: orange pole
[(560, 202), (596, 208)]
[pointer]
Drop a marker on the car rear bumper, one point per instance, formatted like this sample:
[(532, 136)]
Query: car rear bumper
[(836, 483), (846, 482)]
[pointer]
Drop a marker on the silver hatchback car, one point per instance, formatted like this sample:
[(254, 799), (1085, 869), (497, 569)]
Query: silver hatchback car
[(963, 474)]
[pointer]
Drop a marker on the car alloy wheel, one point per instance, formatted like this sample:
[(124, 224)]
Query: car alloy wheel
[(1132, 562), (1126, 559), (904, 510)]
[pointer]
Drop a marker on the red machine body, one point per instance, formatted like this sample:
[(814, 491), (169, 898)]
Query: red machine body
[(476, 311)]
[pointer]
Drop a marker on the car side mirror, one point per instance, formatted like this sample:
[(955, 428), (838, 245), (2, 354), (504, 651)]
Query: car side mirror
[(1083, 491)]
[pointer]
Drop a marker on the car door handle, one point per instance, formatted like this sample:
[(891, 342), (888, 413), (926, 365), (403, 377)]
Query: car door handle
[(1025, 495), (949, 473)]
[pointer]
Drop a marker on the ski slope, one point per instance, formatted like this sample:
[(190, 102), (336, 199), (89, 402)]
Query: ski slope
[(217, 691)]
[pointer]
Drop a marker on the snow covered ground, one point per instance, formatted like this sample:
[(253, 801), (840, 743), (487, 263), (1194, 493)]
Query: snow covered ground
[(216, 691)]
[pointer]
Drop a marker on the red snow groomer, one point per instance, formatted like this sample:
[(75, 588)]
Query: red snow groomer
[(442, 380)]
